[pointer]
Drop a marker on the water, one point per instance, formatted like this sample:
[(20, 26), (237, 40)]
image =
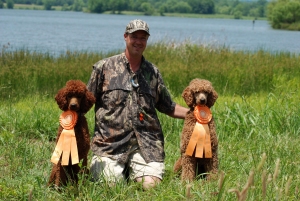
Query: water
[(56, 32)]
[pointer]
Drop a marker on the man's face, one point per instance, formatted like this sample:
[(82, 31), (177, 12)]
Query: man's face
[(136, 42)]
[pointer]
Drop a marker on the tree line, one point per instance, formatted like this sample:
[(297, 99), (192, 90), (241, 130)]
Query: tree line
[(153, 7), (282, 14)]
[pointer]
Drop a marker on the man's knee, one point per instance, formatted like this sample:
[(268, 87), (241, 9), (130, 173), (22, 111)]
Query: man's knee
[(148, 181)]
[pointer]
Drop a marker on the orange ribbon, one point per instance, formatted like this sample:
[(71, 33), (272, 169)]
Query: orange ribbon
[(200, 138), (66, 144)]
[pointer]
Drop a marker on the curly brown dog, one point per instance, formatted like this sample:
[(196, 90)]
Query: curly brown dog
[(74, 97), (199, 92)]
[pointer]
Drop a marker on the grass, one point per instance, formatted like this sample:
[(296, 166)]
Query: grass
[(257, 118)]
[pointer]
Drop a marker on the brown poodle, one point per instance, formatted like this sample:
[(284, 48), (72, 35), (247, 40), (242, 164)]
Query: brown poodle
[(75, 97), (199, 92)]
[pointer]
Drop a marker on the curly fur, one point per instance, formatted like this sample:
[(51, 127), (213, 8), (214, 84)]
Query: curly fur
[(190, 166), (74, 96)]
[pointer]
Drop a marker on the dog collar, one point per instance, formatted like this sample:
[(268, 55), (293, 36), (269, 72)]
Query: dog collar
[(66, 144)]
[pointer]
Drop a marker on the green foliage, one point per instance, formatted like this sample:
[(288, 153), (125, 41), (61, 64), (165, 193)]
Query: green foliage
[(147, 8), (284, 14), (223, 10), (155, 7), (48, 4), (242, 8), (182, 7), (202, 6), (237, 14), (10, 4), (97, 6), (1, 4), (66, 7), (117, 5), (78, 5), (242, 73), (136, 5), (45, 80)]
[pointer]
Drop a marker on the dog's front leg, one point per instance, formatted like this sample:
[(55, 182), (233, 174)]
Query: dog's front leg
[(188, 168)]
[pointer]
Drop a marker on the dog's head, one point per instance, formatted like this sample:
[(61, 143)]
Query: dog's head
[(75, 96), (199, 92)]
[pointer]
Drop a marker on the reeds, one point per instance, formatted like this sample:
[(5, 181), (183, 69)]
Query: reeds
[(266, 181), (232, 73)]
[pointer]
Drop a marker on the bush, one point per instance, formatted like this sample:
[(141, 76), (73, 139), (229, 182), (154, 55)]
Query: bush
[(147, 8), (283, 14), (182, 7), (48, 4), (10, 4), (237, 15)]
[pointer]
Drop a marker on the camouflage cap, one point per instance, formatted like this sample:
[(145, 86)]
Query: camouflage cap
[(136, 25)]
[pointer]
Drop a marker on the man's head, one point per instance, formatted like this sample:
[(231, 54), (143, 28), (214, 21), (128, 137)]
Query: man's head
[(136, 36), (136, 25)]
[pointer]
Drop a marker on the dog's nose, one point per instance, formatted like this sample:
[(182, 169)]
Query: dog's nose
[(202, 100), (73, 106)]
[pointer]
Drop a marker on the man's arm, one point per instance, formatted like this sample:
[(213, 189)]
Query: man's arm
[(179, 112)]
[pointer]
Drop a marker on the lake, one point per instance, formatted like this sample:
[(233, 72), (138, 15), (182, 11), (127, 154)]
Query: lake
[(56, 32)]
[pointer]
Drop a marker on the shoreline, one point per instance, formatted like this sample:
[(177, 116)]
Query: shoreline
[(181, 15)]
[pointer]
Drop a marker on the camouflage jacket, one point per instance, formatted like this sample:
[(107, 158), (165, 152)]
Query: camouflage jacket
[(124, 110)]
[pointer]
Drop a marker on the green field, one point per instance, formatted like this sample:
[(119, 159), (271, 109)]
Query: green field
[(257, 119)]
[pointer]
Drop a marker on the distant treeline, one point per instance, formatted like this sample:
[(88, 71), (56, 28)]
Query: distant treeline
[(150, 7), (282, 14)]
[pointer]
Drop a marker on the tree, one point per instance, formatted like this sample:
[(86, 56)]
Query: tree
[(1, 4), (136, 5), (77, 6), (224, 10), (261, 6), (237, 14), (254, 12), (202, 6), (97, 6), (284, 14), (162, 9), (147, 8), (237, 11), (117, 5), (10, 4), (48, 4), (170, 6), (182, 7)]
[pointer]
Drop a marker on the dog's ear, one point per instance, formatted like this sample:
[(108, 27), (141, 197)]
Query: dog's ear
[(87, 102), (61, 99), (212, 97), (188, 96)]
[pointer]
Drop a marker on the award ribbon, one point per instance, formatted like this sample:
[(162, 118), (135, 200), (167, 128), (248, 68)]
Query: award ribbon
[(66, 144), (200, 138)]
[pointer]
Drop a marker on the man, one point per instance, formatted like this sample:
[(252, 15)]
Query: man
[(128, 90)]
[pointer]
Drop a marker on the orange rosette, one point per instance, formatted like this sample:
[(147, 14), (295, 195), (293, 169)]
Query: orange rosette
[(68, 119), (200, 142), (203, 114), (66, 145)]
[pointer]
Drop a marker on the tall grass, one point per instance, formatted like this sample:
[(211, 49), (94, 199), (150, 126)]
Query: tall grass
[(257, 118), (232, 72)]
